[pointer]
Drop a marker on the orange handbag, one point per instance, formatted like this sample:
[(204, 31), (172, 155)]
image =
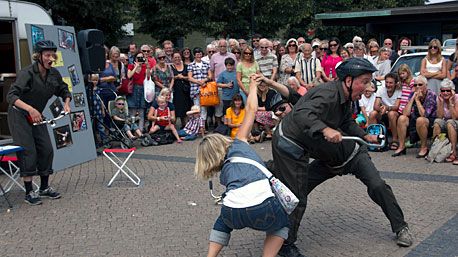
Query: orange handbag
[(209, 94)]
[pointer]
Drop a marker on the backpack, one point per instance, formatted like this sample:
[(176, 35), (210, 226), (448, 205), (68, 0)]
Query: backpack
[(377, 129), (440, 149), (163, 137)]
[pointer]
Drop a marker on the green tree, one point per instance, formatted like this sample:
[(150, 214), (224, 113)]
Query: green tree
[(106, 15), (176, 18)]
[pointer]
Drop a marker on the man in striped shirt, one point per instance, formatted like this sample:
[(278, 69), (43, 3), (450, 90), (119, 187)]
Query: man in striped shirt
[(268, 63), (308, 69)]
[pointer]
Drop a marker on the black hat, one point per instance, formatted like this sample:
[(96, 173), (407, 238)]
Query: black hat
[(354, 67), (44, 45)]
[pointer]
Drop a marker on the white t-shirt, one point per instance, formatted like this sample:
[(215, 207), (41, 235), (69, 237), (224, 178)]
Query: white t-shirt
[(367, 103), (386, 100)]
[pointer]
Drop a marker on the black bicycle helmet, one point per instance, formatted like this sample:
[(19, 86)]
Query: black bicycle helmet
[(275, 102), (44, 45), (354, 67)]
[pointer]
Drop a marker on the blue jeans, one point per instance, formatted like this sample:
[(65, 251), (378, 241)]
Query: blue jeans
[(267, 216), (182, 133)]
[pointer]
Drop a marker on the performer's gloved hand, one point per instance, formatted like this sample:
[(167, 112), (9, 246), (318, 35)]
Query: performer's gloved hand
[(332, 135)]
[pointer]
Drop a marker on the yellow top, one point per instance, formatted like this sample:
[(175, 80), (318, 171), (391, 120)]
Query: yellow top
[(235, 119)]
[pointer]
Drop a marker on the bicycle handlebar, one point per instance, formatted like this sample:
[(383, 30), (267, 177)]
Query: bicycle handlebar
[(381, 138), (51, 122)]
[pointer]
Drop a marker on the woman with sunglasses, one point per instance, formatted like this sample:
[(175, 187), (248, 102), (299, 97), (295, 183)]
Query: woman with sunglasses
[(237, 52), (288, 60), (417, 117), (162, 73), (245, 69), (433, 66), (447, 115), (330, 60)]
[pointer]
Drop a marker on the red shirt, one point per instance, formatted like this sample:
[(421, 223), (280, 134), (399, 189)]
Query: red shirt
[(138, 78)]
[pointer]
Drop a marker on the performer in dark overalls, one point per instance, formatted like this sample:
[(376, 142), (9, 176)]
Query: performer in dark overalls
[(314, 129), (27, 98)]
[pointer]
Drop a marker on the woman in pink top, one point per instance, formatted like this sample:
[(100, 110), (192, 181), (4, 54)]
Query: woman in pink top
[(447, 114), (330, 60)]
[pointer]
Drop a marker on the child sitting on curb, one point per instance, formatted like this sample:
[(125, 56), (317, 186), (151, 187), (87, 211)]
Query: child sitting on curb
[(194, 124), (162, 120)]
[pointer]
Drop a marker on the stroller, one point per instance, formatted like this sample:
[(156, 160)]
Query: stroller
[(115, 133)]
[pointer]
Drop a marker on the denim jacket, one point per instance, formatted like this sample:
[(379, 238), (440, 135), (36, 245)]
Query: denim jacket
[(237, 175)]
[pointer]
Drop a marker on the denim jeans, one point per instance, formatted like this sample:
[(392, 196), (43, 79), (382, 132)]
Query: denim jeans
[(267, 216), (187, 137)]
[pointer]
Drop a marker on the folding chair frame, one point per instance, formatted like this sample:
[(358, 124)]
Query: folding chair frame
[(13, 176), (121, 165)]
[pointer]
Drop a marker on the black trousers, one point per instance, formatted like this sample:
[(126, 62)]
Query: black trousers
[(363, 168), (37, 156), (302, 178)]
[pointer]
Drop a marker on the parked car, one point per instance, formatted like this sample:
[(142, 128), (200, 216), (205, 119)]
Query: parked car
[(413, 60), (449, 43)]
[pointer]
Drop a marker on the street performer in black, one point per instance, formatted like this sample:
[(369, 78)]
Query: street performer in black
[(314, 128), (27, 98)]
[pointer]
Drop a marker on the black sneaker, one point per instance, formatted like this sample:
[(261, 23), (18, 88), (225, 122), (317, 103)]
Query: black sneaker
[(404, 237), (290, 251), (32, 198), (49, 193)]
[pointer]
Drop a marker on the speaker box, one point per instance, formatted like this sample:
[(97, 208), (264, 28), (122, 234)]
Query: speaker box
[(92, 52)]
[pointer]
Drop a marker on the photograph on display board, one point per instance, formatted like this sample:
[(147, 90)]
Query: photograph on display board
[(73, 75), (62, 136), (56, 107), (78, 121), (78, 99), (37, 34), (66, 39)]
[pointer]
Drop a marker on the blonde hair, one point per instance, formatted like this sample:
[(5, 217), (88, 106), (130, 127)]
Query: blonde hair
[(164, 91), (210, 155), (439, 50), (405, 68), (161, 98)]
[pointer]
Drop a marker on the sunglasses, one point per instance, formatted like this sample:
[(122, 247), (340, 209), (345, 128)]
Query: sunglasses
[(263, 47), (161, 57), (358, 41), (446, 90), (247, 53), (255, 40), (418, 85), (146, 51), (293, 45), (211, 52), (350, 47), (323, 48), (119, 103), (333, 45), (236, 52), (433, 47)]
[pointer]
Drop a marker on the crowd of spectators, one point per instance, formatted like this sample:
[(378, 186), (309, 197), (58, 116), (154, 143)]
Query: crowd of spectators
[(413, 108)]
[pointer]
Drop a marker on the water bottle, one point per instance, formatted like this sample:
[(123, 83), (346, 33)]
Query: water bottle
[(330, 73)]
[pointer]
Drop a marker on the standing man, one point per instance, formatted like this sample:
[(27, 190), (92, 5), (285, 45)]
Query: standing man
[(217, 66), (300, 40), (132, 52), (388, 43), (167, 45), (255, 44), (242, 43), (308, 69), (268, 64), (27, 98), (314, 129)]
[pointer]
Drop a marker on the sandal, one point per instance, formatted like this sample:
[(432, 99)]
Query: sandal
[(394, 145), (451, 158), (455, 162)]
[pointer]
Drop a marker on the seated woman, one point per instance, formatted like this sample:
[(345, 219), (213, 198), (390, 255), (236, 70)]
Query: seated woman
[(293, 83), (447, 114), (264, 122), (417, 117), (386, 106), (235, 114)]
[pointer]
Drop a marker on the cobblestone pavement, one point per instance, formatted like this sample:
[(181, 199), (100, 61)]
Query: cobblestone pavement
[(171, 213)]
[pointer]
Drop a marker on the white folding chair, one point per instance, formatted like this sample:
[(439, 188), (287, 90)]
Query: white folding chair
[(12, 173), (121, 164)]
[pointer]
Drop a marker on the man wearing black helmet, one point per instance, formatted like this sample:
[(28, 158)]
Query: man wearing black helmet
[(314, 129), (27, 98)]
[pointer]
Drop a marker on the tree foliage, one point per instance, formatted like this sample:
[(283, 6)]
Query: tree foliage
[(105, 15)]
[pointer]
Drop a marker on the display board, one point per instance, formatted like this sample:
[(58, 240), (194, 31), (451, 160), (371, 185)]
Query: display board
[(71, 137)]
